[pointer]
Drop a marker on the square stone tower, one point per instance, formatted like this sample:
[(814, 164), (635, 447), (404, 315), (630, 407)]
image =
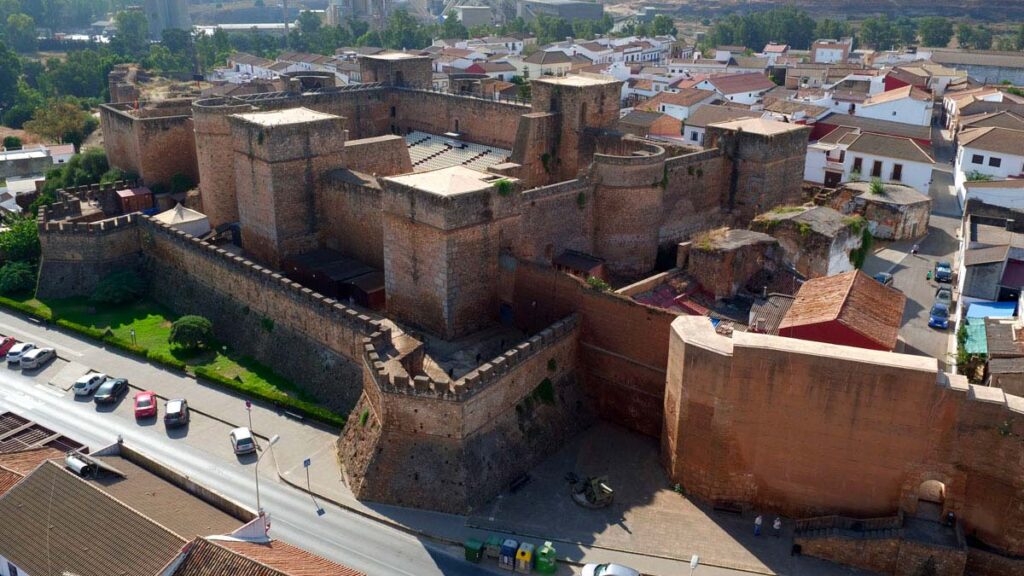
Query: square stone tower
[(581, 103), (397, 69), (279, 157)]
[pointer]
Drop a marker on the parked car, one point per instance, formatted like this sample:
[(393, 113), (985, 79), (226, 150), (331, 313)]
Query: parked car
[(943, 272), (884, 278), (145, 404), (176, 413), (16, 352), (88, 384), (6, 343), (944, 296), (242, 441), (111, 390), (37, 358), (939, 316), (608, 570)]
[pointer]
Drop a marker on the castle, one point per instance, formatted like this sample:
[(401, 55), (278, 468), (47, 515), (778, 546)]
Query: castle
[(471, 211)]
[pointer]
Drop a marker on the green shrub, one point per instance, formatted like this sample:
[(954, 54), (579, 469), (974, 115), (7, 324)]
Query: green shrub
[(877, 187), (581, 199), (17, 277), (598, 284), (503, 186), (21, 240), (364, 417), (191, 332), (552, 365), (975, 176), (318, 413), (180, 184), (121, 287), (12, 143), (267, 324), (544, 392)]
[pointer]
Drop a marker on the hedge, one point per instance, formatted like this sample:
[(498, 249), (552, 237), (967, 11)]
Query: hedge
[(308, 409)]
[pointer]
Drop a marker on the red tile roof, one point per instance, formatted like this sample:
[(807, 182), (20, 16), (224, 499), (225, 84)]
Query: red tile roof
[(685, 97), (207, 557), (25, 461), (8, 479), (853, 299), (736, 83)]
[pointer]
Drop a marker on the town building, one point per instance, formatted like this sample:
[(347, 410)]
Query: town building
[(679, 105), (850, 309), (847, 155), (831, 51), (697, 123), (744, 88), (987, 154)]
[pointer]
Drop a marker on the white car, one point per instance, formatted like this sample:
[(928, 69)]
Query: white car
[(37, 358), (89, 383), (17, 351), (242, 441), (608, 570)]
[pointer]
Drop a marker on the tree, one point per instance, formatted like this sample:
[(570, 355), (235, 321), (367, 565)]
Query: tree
[(828, 28), (935, 31), (191, 332), (177, 41), (965, 35), (116, 288), (132, 33), (662, 25), (12, 143), (905, 30), (878, 33), (21, 32), (1020, 37), (10, 69), (17, 277), (309, 23), (452, 27), (60, 121), (982, 38), (20, 242)]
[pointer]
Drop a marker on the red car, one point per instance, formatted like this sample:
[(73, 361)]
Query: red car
[(5, 344), (145, 404)]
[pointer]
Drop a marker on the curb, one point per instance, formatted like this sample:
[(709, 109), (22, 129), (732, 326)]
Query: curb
[(447, 541)]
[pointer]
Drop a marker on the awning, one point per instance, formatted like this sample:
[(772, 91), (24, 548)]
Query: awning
[(992, 310), (977, 341)]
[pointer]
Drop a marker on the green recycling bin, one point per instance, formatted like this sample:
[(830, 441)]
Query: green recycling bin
[(474, 549), (493, 547), (546, 563)]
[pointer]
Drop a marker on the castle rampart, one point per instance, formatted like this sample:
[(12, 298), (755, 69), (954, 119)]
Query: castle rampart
[(151, 140)]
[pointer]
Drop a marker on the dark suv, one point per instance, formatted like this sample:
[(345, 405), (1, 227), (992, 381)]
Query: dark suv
[(176, 413)]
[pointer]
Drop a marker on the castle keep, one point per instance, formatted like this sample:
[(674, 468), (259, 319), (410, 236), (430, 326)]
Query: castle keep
[(462, 207)]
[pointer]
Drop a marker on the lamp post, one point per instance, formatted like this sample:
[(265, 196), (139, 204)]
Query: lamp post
[(694, 562), (273, 440)]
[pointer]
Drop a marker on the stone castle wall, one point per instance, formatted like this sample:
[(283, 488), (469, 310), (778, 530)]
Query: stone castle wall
[(379, 156), (480, 120), (489, 427), (349, 205), (154, 143), (76, 256), (807, 429)]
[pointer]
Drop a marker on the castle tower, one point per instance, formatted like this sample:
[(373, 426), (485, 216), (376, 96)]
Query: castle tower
[(397, 69), (581, 103), (163, 14), (279, 156), (215, 152)]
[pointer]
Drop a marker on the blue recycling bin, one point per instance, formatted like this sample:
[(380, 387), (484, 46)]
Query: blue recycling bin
[(507, 554)]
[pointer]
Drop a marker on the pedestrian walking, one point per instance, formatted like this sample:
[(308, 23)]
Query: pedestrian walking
[(914, 249), (757, 525), (777, 527)]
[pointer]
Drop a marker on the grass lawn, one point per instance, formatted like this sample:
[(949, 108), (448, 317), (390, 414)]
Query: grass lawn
[(152, 324)]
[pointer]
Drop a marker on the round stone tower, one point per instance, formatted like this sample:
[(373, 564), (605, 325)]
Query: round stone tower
[(628, 202)]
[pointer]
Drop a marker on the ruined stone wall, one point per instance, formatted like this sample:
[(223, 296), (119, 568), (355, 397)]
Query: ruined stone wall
[(623, 344), (807, 429), (724, 272), (894, 555), (535, 148), (76, 256), (480, 120), (379, 156), (349, 216), (896, 221), (453, 445)]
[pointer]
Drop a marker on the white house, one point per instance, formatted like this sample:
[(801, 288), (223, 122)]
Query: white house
[(908, 105), (831, 51), (1005, 193), (740, 88), (847, 154), (991, 153), (773, 52), (679, 105)]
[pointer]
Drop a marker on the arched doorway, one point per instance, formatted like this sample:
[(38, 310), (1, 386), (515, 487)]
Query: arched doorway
[(931, 500)]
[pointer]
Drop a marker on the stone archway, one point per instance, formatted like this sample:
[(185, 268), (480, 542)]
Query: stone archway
[(931, 500)]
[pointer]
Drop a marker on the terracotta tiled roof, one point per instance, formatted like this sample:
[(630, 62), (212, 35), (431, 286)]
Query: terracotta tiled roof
[(239, 558), (56, 523), (685, 97), (879, 126), (26, 461), (711, 114), (543, 57), (736, 83), (899, 94), (791, 107), (8, 478), (994, 139), (855, 300), (890, 147), (1001, 119)]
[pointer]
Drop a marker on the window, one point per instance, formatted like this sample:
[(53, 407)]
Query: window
[(876, 169), (858, 164), (977, 159), (995, 162), (897, 172), (693, 136), (12, 569)]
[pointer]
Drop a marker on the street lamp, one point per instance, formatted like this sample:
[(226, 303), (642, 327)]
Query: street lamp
[(273, 440), (694, 562)]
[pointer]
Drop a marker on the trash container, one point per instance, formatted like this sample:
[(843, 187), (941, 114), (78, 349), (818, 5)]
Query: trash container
[(546, 563), (474, 549), (493, 547), (507, 555), (524, 558)]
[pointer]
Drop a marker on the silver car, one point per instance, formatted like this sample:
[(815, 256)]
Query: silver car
[(15, 354), (944, 296), (37, 358), (88, 384)]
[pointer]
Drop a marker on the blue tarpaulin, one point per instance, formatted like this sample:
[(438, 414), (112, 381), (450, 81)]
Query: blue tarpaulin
[(992, 310), (977, 340)]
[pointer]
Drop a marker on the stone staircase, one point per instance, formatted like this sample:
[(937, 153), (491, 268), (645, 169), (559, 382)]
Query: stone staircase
[(844, 527)]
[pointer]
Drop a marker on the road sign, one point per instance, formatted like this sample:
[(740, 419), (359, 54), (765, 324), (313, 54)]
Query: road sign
[(320, 511), (248, 404), (307, 462)]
